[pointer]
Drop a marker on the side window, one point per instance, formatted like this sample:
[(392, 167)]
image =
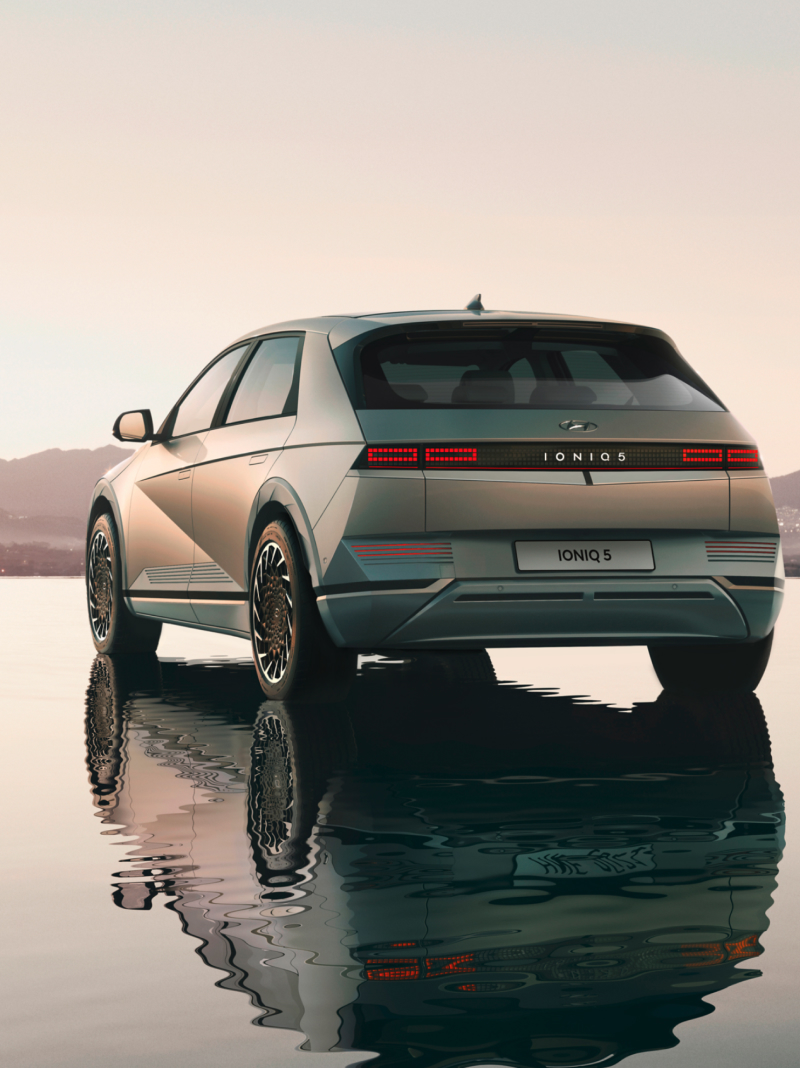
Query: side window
[(266, 385), (198, 406)]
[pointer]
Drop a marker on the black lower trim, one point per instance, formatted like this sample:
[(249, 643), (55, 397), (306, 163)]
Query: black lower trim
[(185, 595), (751, 580), (520, 597), (367, 587), (654, 596)]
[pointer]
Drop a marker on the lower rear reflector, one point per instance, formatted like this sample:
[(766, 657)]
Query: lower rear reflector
[(407, 552)]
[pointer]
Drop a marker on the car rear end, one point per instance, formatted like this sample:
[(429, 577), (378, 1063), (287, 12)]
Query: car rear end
[(532, 481)]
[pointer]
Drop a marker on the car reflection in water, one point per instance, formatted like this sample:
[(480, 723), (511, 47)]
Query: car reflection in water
[(446, 870)]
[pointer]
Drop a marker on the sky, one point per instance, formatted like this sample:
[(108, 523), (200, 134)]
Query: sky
[(176, 174)]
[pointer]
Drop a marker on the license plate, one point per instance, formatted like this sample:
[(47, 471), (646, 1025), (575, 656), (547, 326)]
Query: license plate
[(584, 555)]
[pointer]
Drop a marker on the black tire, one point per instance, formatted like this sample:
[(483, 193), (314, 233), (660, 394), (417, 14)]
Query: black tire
[(294, 656), (711, 668), (114, 628)]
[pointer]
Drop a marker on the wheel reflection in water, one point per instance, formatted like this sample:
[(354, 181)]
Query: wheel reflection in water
[(443, 871)]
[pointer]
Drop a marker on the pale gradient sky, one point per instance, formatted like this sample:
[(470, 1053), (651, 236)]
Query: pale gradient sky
[(177, 173)]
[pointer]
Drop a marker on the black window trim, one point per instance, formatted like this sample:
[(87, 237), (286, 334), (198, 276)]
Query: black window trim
[(165, 430)]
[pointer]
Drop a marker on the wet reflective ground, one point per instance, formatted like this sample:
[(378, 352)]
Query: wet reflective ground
[(534, 858)]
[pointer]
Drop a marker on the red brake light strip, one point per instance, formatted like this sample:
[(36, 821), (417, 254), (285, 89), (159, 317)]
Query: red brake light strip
[(553, 456), (702, 456), (742, 456), (392, 455), (454, 454)]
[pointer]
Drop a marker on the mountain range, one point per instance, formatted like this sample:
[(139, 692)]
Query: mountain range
[(56, 482), (44, 501)]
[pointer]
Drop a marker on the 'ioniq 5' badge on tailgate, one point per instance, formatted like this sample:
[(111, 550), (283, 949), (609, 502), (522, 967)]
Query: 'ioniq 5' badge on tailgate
[(584, 556)]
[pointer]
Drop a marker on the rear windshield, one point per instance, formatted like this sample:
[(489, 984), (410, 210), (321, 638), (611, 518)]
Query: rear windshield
[(531, 369)]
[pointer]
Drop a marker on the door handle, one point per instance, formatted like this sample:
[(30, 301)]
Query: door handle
[(185, 473)]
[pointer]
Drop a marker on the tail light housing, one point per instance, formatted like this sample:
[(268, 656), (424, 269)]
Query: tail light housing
[(554, 456)]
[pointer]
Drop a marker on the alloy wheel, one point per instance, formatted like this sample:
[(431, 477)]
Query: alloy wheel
[(273, 612), (101, 586)]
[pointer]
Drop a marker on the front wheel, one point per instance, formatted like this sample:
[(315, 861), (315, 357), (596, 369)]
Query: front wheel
[(114, 628), (293, 653), (709, 668)]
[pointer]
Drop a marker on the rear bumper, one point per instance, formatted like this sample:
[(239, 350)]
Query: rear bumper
[(561, 611), (453, 604)]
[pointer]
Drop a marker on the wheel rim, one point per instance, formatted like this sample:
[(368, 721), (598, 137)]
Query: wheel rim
[(273, 613), (101, 586)]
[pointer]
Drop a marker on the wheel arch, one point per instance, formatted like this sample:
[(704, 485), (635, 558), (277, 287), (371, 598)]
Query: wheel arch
[(278, 500), (104, 502)]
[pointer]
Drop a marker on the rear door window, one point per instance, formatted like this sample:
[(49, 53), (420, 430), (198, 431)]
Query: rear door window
[(268, 386)]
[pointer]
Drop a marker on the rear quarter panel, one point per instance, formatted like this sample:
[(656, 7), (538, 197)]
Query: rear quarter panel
[(752, 506), (320, 451)]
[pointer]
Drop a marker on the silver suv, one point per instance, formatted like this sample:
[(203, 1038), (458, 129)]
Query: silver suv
[(444, 480)]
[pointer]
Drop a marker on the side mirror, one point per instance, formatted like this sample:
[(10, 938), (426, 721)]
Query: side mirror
[(134, 426)]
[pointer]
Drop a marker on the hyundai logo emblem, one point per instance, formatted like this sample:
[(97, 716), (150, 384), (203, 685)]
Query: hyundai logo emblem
[(576, 424)]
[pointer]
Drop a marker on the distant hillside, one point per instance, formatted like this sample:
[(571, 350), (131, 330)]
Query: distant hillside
[(786, 490), (38, 559), (57, 482), (59, 531)]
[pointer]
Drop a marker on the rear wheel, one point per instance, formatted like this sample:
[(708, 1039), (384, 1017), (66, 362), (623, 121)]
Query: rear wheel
[(709, 668), (114, 628), (293, 653)]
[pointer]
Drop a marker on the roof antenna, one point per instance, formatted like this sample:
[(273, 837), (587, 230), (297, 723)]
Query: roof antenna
[(475, 304)]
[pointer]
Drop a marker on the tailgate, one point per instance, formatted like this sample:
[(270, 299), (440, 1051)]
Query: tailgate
[(495, 500)]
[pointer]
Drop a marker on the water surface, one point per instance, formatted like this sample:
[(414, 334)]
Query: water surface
[(559, 865)]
